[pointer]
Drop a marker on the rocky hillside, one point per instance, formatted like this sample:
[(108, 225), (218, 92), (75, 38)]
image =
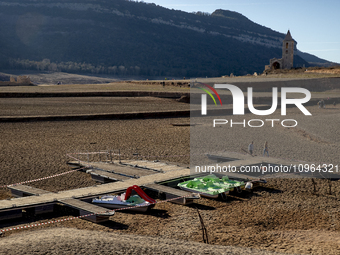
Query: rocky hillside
[(131, 38)]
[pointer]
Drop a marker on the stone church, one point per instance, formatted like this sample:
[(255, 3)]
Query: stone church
[(286, 62)]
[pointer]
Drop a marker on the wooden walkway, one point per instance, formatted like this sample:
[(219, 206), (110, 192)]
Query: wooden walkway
[(170, 193), (106, 172), (152, 175), (24, 191), (131, 171), (35, 198), (151, 165), (104, 177), (101, 214)]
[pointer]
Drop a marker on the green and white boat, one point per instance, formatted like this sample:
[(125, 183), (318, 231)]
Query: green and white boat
[(205, 189), (223, 182), (211, 186)]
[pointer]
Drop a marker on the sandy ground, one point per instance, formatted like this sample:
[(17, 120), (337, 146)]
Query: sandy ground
[(285, 215), (116, 86), (316, 138), (52, 78), (73, 241), (88, 105)]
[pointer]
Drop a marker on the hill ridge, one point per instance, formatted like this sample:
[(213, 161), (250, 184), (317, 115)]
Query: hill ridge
[(132, 38)]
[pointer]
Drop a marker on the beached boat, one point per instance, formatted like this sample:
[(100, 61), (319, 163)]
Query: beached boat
[(205, 189), (223, 182), (211, 186), (139, 203)]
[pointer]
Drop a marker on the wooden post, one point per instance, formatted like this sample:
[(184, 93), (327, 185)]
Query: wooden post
[(330, 186), (314, 184)]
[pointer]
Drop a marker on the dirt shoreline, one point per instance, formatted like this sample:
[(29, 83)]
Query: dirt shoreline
[(284, 216), (73, 241)]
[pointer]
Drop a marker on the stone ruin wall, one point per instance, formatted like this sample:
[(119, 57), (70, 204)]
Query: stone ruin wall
[(21, 80)]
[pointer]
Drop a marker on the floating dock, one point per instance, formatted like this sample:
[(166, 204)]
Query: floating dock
[(25, 191), (99, 214), (121, 176), (117, 176), (170, 193)]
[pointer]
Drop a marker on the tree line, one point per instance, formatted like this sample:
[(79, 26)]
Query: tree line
[(72, 67)]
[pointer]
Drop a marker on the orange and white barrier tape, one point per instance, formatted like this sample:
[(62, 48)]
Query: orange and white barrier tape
[(89, 153), (129, 155), (43, 178), (85, 163)]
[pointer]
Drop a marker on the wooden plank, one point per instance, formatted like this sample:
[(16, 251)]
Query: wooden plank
[(220, 158), (111, 176), (157, 167), (170, 168), (74, 163), (78, 204), (184, 196), (130, 171), (152, 166), (138, 163), (132, 162), (24, 190), (11, 214), (101, 214), (148, 165), (168, 190), (46, 208)]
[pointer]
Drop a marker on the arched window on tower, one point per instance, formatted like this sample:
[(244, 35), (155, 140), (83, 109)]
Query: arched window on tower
[(286, 45)]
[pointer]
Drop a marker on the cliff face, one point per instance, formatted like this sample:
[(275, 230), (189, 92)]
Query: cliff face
[(130, 38)]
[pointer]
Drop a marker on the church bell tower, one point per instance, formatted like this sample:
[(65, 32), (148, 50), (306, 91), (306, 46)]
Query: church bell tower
[(288, 52)]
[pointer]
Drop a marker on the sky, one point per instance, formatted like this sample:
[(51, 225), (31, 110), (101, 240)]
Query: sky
[(314, 24)]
